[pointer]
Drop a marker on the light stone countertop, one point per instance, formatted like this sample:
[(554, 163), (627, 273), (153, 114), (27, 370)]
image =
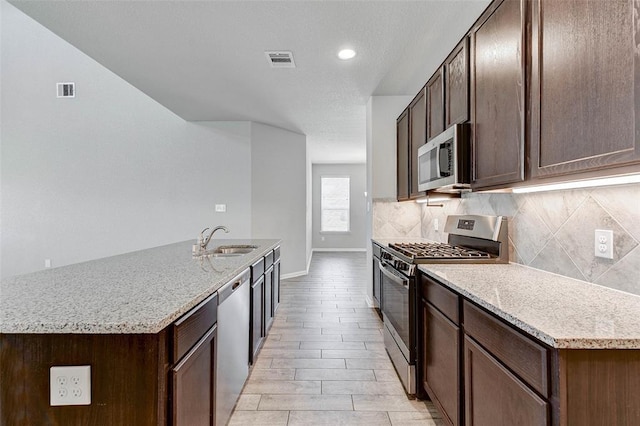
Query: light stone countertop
[(138, 292), (562, 312)]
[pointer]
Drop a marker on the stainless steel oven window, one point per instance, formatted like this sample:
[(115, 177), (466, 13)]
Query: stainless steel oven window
[(395, 293)]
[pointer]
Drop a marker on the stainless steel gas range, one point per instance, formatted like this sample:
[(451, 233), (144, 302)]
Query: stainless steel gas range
[(471, 239)]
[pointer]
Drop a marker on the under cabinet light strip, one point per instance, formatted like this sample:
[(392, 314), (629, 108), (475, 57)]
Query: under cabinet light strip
[(591, 183), (433, 200)]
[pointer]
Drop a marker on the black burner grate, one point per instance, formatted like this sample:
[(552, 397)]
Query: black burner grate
[(437, 251)]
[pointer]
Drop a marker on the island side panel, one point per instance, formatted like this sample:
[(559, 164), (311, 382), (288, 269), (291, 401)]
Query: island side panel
[(599, 386), (128, 378)]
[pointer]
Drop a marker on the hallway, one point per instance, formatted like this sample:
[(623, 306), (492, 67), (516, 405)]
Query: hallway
[(324, 361)]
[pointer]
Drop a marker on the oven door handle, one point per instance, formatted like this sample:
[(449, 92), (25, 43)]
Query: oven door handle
[(389, 273)]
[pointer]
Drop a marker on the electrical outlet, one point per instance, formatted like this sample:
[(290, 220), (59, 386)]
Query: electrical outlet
[(435, 224), (47, 263), (70, 385), (221, 208), (603, 243)]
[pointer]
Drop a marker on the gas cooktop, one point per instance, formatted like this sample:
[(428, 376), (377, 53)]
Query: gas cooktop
[(419, 251), (471, 239)]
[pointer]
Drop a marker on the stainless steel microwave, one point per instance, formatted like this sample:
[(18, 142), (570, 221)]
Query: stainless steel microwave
[(444, 162)]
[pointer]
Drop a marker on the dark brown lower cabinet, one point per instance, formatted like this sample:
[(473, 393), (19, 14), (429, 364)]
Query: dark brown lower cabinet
[(194, 384), (268, 299), (276, 286), (441, 371), (129, 378), (496, 397), (257, 318), (481, 370)]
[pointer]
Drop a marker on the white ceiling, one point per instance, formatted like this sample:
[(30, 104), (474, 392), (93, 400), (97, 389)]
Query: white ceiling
[(204, 60)]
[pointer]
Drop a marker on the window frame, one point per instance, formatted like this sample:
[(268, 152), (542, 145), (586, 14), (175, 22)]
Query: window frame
[(348, 177)]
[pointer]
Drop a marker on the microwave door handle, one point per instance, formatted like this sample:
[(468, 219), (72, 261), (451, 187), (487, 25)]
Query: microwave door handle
[(438, 170)]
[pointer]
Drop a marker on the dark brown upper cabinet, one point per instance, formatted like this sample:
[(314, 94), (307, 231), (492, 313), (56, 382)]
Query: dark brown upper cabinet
[(456, 85), (498, 95), (402, 156), (417, 138), (435, 104), (585, 87)]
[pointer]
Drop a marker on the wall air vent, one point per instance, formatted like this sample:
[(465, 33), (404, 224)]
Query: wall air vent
[(66, 90), (280, 59)]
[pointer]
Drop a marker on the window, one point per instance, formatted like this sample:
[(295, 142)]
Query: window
[(334, 204)]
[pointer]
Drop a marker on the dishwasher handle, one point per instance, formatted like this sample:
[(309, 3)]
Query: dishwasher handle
[(232, 286)]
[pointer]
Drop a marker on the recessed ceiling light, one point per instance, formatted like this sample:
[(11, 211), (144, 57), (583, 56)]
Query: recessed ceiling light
[(345, 54)]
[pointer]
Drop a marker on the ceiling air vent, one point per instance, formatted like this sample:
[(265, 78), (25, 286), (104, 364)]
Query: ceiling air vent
[(280, 59), (66, 90)]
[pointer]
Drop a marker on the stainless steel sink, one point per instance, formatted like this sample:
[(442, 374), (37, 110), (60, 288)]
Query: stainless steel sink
[(233, 249), (227, 251)]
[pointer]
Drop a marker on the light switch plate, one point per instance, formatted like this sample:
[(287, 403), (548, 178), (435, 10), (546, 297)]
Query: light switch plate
[(221, 208), (603, 243), (70, 385)]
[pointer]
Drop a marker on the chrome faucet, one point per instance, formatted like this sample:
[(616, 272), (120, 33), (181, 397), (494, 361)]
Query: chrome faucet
[(204, 241)]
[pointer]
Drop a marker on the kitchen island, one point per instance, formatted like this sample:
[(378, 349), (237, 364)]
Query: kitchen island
[(115, 314), (510, 344)]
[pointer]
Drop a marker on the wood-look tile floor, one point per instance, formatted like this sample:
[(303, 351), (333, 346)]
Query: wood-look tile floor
[(324, 362)]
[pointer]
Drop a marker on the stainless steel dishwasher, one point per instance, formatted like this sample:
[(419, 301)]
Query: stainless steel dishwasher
[(233, 344)]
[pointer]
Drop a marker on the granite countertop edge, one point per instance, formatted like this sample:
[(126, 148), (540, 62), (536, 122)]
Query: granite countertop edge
[(200, 279), (512, 317)]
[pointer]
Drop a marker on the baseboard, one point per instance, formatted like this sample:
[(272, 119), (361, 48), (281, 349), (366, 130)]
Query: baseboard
[(301, 273), (294, 274), (370, 301), (341, 249)]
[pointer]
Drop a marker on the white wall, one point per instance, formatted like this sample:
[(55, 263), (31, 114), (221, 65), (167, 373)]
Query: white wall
[(279, 192), (108, 172), (381, 116), (356, 238), (309, 251), (382, 112)]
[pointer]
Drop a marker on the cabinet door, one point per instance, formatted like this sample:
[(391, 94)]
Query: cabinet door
[(268, 299), (456, 85), (498, 95), (435, 105), (417, 138), (441, 366), (276, 287), (402, 156), (376, 282), (494, 396), (585, 93), (194, 384), (257, 326)]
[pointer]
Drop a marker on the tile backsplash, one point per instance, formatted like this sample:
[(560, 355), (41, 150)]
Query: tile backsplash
[(553, 231), (392, 219)]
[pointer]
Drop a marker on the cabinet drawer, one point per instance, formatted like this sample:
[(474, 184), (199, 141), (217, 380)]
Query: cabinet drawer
[(189, 328), (441, 297), (276, 254), (268, 259), (521, 354), (257, 269)]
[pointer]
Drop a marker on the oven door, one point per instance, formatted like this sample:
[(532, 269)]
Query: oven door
[(398, 293)]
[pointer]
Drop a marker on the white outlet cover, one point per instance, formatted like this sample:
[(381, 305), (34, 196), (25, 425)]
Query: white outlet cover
[(603, 243), (221, 208), (70, 385)]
